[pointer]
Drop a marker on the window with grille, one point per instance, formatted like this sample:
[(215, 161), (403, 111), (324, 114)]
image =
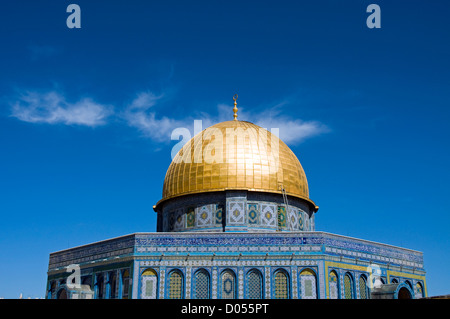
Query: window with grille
[(254, 285), (125, 284), (363, 293), (175, 290), (281, 285), (348, 286), (201, 285)]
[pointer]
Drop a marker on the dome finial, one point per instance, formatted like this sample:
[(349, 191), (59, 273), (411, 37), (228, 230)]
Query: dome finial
[(235, 109)]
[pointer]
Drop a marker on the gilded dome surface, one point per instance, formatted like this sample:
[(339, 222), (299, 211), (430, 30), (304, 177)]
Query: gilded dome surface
[(235, 155)]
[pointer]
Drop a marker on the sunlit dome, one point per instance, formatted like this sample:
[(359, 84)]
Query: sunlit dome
[(235, 155)]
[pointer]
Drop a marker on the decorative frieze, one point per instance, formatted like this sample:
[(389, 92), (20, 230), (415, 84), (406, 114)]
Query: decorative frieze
[(235, 243)]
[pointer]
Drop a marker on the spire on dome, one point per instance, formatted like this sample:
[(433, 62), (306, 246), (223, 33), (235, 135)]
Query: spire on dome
[(235, 109)]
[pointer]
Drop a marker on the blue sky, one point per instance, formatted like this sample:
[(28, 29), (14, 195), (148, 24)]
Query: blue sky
[(86, 116)]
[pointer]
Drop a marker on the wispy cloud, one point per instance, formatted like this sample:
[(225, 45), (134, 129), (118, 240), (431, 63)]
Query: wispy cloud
[(145, 100), (53, 108), (291, 130), (142, 113)]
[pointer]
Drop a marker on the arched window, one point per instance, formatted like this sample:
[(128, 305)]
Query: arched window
[(175, 290), (394, 281), (149, 284), (419, 291), (201, 282), (308, 286), (100, 287), (333, 283), (404, 293), (363, 290), (254, 286), (125, 284), (112, 285), (228, 285), (62, 294), (281, 285), (348, 286)]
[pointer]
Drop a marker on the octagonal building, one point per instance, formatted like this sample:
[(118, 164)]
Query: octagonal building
[(236, 221)]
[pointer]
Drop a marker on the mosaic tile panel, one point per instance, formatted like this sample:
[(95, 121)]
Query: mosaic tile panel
[(204, 215), (295, 287), (293, 219), (300, 220), (268, 215), (219, 214), (267, 281), (321, 283), (235, 213), (190, 217), (253, 214), (281, 216), (308, 286), (179, 220), (149, 287), (188, 280), (214, 283), (162, 275), (228, 285), (241, 284)]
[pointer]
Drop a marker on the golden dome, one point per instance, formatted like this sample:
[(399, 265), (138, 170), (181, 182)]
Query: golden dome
[(235, 155)]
